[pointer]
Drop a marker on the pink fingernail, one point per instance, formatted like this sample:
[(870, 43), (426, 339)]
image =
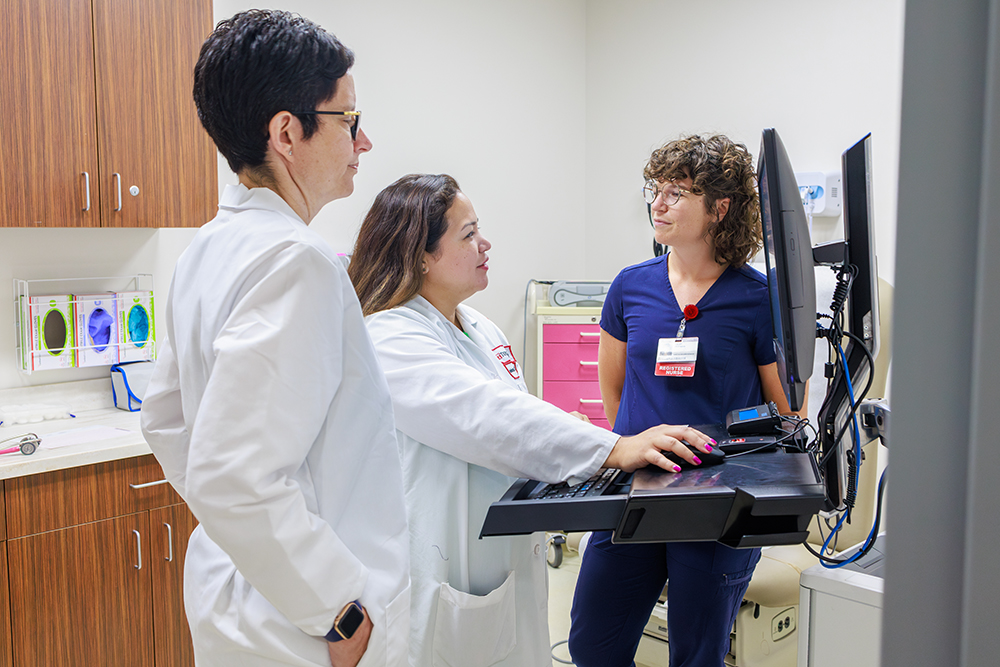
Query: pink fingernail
[(677, 468), (712, 441), (709, 447), (697, 460)]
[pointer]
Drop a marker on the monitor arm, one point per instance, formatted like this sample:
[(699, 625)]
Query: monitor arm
[(831, 252), (875, 419)]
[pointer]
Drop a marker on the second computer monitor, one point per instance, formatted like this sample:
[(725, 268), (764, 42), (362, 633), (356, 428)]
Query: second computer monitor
[(859, 234), (791, 282)]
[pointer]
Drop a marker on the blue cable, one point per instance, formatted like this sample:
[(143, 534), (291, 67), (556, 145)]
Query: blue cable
[(857, 458), (868, 540)]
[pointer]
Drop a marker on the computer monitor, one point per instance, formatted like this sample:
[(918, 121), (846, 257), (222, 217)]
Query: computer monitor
[(859, 236), (837, 445), (791, 282)]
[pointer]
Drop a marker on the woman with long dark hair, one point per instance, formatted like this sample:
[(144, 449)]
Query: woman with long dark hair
[(467, 426)]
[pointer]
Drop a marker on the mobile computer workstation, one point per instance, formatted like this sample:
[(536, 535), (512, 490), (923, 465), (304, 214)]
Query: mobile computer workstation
[(773, 481)]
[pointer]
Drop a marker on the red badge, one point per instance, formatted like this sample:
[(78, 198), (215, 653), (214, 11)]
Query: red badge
[(690, 312), (506, 357), (674, 370)]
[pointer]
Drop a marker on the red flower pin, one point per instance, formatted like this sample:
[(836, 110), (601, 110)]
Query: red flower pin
[(690, 312)]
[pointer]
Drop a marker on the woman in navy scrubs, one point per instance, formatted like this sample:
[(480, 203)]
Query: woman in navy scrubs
[(704, 206)]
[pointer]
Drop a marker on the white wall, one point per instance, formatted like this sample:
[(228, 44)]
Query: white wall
[(545, 111), (492, 93), (822, 73)]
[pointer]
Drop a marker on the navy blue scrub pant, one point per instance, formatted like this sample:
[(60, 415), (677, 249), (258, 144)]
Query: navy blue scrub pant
[(620, 583)]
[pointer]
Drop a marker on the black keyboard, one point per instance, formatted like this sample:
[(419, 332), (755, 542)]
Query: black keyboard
[(594, 486), (529, 505)]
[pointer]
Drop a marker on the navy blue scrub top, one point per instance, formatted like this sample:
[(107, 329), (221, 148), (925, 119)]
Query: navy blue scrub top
[(735, 336)]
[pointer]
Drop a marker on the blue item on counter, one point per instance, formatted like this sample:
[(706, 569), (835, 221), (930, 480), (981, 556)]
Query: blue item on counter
[(128, 384)]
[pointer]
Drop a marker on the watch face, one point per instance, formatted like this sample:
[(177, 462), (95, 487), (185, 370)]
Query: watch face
[(351, 620)]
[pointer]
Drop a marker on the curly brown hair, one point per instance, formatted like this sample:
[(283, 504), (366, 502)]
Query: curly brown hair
[(718, 168)]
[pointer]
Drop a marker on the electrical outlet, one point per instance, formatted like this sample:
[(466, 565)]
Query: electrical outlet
[(783, 624)]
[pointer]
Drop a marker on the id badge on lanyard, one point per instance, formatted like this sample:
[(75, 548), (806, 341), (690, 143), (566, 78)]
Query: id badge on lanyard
[(676, 357)]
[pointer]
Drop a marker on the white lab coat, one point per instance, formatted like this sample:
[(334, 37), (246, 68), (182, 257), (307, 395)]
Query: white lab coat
[(270, 416), (466, 428)]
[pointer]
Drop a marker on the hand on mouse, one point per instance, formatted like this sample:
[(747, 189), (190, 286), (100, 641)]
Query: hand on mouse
[(637, 451), (701, 459)]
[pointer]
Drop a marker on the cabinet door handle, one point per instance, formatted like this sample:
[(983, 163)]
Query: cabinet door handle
[(170, 543), (118, 190), (138, 547), (590, 334), (86, 189), (588, 363), (147, 484), (591, 400)]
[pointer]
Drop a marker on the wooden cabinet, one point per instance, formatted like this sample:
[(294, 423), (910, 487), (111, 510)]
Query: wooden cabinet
[(101, 127), (567, 354), (95, 562), (82, 595), (5, 650), (169, 530)]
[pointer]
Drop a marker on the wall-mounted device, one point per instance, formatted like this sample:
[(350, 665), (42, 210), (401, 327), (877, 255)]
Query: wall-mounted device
[(91, 323), (578, 293), (821, 193)]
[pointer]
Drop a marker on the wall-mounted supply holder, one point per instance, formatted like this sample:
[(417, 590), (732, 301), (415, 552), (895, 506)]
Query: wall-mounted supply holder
[(821, 193), (82, 322)]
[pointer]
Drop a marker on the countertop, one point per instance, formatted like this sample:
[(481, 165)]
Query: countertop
[(104, 432)]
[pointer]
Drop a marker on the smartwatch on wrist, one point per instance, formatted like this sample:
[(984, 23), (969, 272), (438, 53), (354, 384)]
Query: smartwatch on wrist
[(348, 621)]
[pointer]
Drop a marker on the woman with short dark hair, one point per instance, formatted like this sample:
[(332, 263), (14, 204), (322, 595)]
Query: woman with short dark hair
[(267, 408)]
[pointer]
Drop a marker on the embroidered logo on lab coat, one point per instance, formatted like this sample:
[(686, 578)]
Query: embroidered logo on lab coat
[(506, 358)]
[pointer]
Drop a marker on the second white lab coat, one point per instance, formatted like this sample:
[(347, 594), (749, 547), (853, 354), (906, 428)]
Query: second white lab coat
[(270, 416), (467, 427)]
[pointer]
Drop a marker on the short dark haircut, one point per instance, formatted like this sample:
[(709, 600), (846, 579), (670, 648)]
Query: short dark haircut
[(255, 64), (406, 220), (718, 168)]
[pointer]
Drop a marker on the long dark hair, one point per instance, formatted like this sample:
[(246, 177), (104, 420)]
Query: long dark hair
[(406, 220)]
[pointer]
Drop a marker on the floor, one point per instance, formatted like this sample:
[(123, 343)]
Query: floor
[(562, 581)]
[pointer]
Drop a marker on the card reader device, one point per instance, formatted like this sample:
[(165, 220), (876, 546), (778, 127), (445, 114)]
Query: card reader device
[(756, 420)]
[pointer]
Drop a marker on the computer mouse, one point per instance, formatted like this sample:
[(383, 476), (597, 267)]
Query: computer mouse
[(712, 458)]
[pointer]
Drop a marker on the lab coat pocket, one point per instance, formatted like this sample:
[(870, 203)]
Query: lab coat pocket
[(474, 630), (397, 626)]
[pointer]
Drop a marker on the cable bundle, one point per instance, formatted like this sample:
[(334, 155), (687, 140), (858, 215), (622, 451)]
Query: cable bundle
[(835, 335)]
